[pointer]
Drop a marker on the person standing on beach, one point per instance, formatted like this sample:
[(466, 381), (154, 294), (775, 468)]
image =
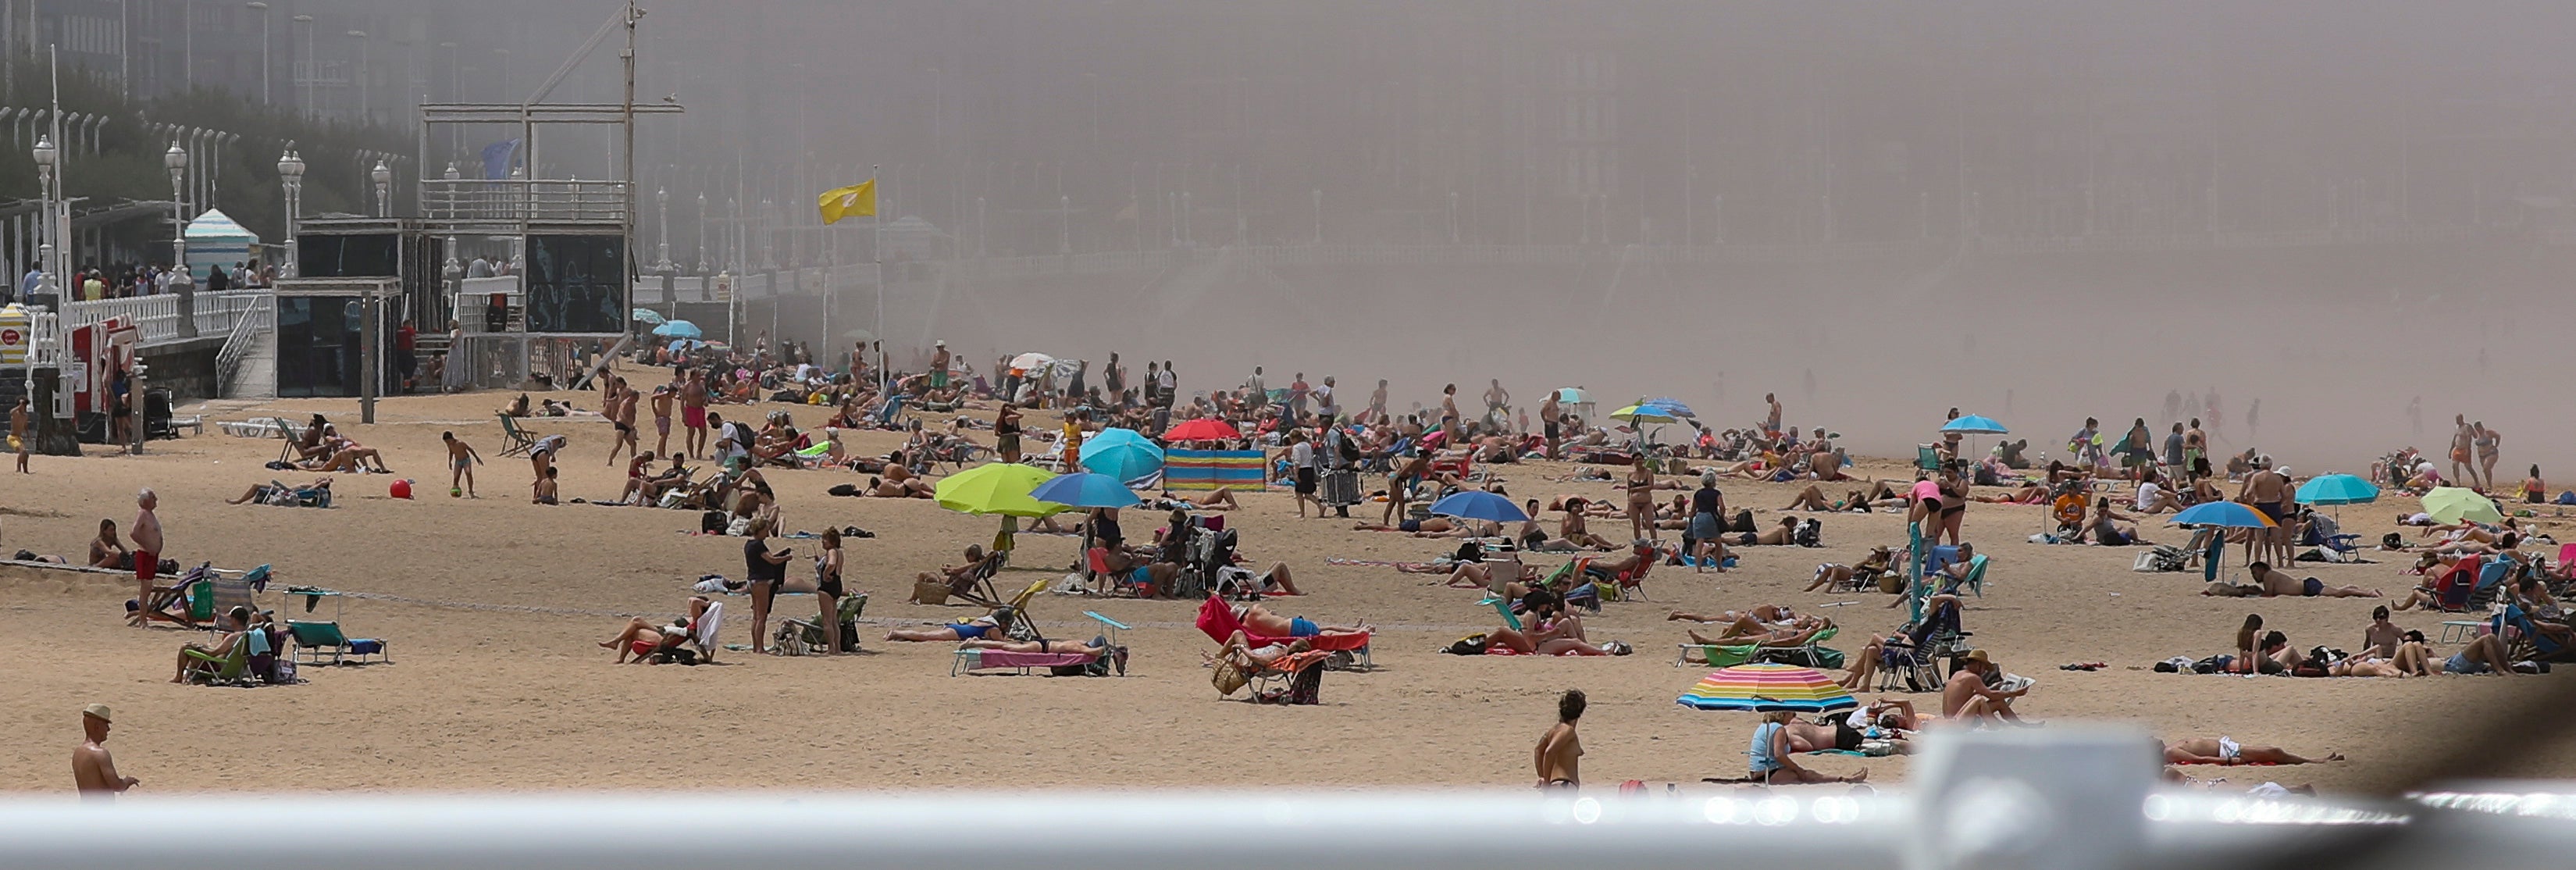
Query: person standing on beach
[(1548, 411), (663, 394), (1377, 401), (2195, 450), (93, 768), (1255, 392), (2461, 438), (19, 428), (147, 553), (1113, 378), (2489, 444), (1771, 422), (693, 415), (461, 460), (1560, 752)]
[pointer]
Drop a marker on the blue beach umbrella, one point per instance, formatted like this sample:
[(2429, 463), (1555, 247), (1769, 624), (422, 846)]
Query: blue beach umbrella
[(1477, 504), (2337, 489), (1085, 491), (1670, 406), (679, 329), (1122, 454), (647, 316), (2224, 514), (1976, 425)]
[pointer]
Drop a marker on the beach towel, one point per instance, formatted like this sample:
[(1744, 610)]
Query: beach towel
[(703, 635)]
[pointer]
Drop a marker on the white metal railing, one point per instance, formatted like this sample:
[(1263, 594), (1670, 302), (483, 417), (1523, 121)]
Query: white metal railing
[(156, 318), (222, 313), (523, 200), (44, 339), (258, 315)]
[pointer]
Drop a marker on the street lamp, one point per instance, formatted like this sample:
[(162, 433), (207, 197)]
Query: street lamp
[(176, 160), (46, 154), (309, 67), (662, 219), (290, 177), (383, 176), (265, 65)]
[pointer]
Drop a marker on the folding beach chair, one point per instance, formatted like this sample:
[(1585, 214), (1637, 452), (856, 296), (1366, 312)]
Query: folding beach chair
[(230, 669), (810, 632), (520, 440)]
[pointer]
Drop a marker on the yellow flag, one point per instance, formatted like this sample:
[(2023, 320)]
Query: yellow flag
[(838, 203)]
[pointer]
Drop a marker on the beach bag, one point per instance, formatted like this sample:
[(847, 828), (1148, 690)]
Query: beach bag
[(1307, 687), (711, 522), (1809, 534), (1743, 523), (1228, 678), (930, 592), (1471, 645), (843, 490)]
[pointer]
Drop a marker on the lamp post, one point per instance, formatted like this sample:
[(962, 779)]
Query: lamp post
[(47, 247), (662, 219), (383, 176), (702, 233), (455, 267), (290, 176), (307, 61), (176, 160), (266, 67)]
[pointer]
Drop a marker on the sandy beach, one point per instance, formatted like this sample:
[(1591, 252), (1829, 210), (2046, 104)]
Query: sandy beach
[(492, 608)]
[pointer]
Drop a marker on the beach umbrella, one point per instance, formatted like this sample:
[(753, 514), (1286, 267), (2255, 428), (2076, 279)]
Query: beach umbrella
[(1572, 396), (1477, 504), (2451, 504), (1201, 429), (2337, 489), (2225, 514), (679, 329), (1768, 688), (1085, 491), (1031, 361), (1122, 454), (1669, 406), (995, 488), (1976, 425), (647, 316), (1634, 414)]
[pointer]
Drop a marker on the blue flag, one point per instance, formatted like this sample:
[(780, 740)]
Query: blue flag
[(498, 157)]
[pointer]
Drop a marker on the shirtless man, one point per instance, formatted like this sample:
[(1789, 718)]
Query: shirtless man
[(1966, 696), (1559, 751), (2224, 751), (1449, 421), (1771, 423), (1377, 400), (147, 553), (693, 415), (1260, 621), (1549, 424), (664, 395), (621, 414), (2266, 490), (2279, 584), (1497, 398), (93, 769)]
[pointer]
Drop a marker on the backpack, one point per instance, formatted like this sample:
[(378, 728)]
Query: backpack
[(1350, 449), (712, 522), (1809, 534), (844, 490), (1743, 523)]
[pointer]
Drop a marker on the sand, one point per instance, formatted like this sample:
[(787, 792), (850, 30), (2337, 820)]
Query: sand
[(493, 606)]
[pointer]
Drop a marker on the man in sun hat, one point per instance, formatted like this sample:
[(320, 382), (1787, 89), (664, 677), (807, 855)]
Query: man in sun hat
[(93, 769), (1966, 696)]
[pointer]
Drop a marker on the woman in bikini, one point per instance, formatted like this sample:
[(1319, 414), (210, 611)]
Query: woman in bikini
[(1641, 499)]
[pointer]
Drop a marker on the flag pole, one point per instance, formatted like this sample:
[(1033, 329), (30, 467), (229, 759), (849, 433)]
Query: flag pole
[(876, 250)]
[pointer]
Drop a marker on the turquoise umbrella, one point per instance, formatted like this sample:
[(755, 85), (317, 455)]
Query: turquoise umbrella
[(1085, 491), (1122, 454), (647, 316), (2337, 489)]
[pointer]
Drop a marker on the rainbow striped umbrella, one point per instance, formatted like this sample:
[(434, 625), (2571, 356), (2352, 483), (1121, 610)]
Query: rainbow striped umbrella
[(1768, 688)]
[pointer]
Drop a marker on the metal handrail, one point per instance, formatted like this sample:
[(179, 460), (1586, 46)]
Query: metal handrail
[(516, 200)]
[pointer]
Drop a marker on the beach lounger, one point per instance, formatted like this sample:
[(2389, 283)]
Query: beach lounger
[(1216, 619), (1025, 663), (1296, 678), (1812, 654), (520, 441), (313, 640)]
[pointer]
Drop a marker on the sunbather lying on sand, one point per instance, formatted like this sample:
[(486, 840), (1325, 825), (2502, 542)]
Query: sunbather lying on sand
[(2225, 751), (262, 492), (1259, 620)]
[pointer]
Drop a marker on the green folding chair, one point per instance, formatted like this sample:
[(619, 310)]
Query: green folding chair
[(231, 669)]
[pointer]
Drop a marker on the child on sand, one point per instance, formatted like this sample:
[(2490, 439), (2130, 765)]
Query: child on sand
[(25, 437), (461, 460)]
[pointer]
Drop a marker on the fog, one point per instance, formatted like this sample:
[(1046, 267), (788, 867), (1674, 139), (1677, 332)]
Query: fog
[(2036, 211)]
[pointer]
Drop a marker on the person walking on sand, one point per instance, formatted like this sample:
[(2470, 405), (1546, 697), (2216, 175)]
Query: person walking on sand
[(621, 414), (693, 415), (1560, 751), (147, 553), (663, 396), (93, 768), (461, 460), (2489, 444)]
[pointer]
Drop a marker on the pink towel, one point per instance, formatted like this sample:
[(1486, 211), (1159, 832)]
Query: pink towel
[(994, 658)]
